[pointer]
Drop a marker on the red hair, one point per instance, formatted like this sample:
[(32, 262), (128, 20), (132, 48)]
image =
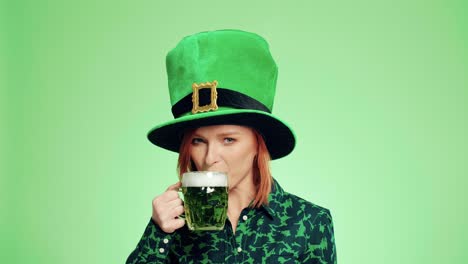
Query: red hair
[(261, 166)]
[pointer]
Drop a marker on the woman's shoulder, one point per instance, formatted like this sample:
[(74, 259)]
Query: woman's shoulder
[(293, 206), (304, 206)]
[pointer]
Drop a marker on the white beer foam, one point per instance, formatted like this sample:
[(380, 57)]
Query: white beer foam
[(204, 178)]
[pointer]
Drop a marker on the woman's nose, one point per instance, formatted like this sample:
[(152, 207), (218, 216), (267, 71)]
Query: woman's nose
[(212, 154)]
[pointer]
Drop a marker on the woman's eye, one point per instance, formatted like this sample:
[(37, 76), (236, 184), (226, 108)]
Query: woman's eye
[(197, 140), (229, 140)]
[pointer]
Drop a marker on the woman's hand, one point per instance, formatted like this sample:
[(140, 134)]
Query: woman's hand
[(166, 209)]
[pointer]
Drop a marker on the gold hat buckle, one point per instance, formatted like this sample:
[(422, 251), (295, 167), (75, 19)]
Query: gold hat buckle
[(196, 108)]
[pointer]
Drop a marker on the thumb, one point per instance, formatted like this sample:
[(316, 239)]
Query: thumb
[(174, 187)]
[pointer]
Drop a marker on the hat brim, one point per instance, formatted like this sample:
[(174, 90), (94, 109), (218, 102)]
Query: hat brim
[(279, 137)]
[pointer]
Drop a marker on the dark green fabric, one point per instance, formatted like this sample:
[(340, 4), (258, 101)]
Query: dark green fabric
[(289, 230)]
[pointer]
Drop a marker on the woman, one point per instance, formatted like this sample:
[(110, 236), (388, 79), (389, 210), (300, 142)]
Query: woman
[(231, 129)]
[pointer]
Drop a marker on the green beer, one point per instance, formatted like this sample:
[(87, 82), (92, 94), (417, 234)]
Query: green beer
[(205, 200)]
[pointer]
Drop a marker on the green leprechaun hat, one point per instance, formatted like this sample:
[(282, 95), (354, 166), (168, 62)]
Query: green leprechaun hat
[(223, 77)]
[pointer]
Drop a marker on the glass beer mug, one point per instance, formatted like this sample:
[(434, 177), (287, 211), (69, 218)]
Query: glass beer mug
[(205, 199)]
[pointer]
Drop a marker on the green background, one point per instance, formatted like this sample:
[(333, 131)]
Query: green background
[(376, 92)]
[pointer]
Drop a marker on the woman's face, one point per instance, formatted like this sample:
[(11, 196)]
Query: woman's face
[(226, 148)]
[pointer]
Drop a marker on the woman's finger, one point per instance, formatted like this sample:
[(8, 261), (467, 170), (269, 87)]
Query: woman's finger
[(177, 211), (174, 187)]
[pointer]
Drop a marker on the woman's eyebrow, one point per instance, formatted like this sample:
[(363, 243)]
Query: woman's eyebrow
[(222, 134), (229, 133)]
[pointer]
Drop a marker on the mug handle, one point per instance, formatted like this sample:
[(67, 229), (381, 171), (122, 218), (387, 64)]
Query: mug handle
[(181, 216)]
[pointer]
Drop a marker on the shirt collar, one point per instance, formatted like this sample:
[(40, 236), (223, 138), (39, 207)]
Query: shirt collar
[(275, 198)]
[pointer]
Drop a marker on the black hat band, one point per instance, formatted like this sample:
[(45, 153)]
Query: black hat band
[(226, 97)]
